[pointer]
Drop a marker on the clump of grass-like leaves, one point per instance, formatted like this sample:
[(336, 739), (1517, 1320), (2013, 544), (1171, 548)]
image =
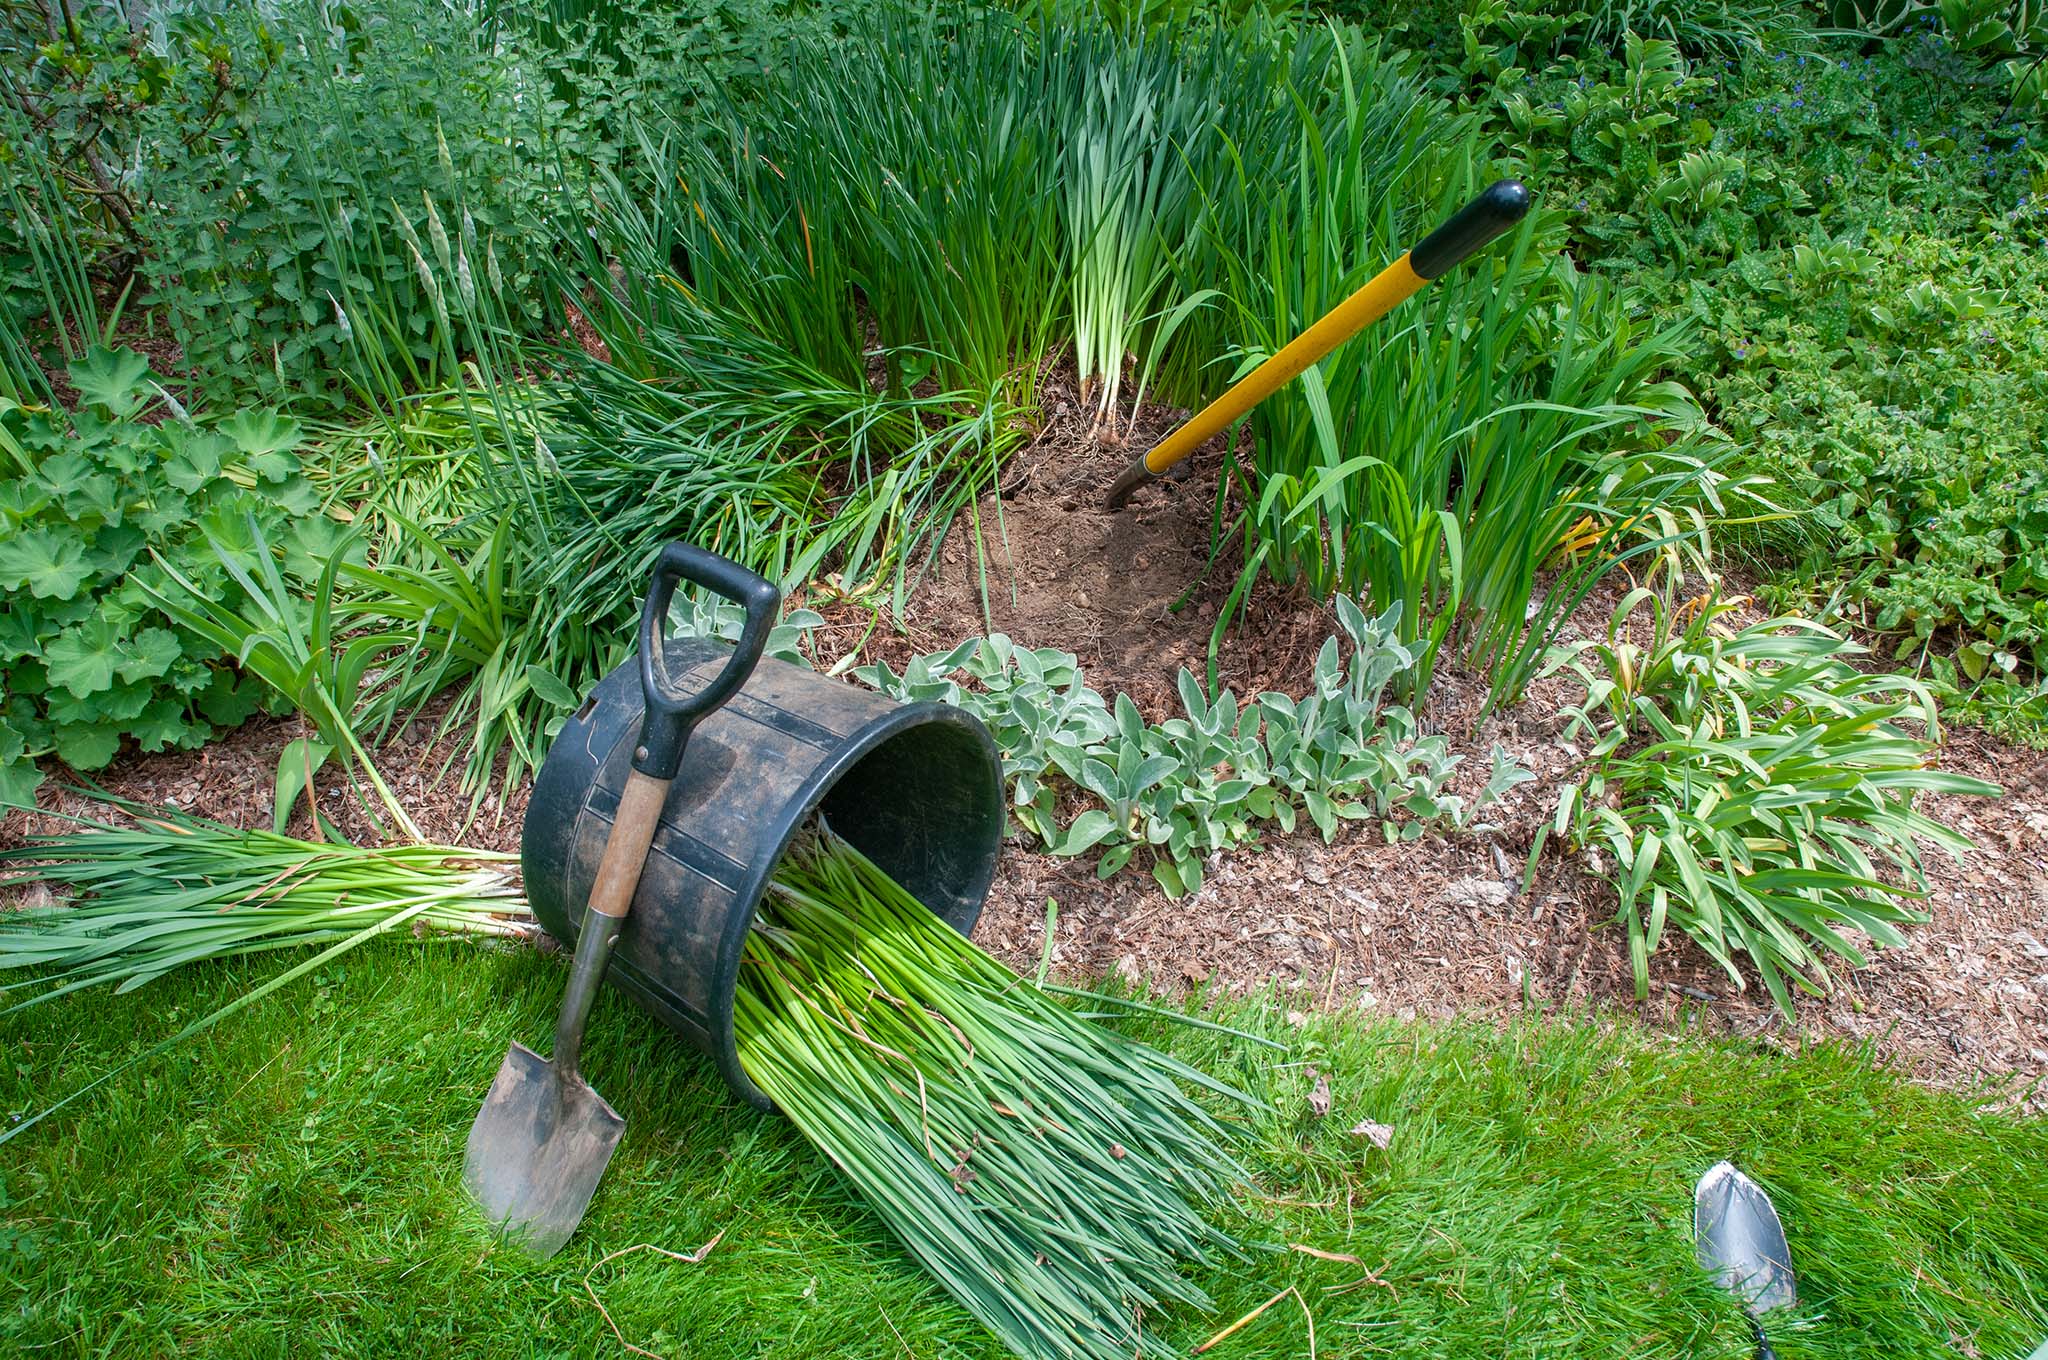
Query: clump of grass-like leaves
[(1753, 789), (1146, 118), (173, 889), (1049, 1173), (1443, 460)]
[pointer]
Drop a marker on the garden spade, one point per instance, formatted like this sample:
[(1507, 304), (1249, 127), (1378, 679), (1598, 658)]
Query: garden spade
[(544, 1137), (1740, 1242)]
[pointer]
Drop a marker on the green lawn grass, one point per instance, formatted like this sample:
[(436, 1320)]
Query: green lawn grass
[(288, 1184)]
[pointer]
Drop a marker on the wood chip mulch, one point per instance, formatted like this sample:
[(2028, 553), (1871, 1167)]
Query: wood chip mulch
[(1433, 928)]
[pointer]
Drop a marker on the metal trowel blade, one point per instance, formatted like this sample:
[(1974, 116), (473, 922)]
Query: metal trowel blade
[(1740, 1241)]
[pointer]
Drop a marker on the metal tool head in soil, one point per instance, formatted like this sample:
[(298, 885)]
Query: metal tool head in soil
[(543, 1138)]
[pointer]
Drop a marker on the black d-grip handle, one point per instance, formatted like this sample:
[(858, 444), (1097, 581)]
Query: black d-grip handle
[(1499, 206), (670, 713)]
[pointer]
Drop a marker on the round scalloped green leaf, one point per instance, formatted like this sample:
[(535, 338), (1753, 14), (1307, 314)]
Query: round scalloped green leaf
[(49, 565), (18, 781), (226, 701), (148, 654), (115, 380), (87, 746), (82, 658), (165, 725), (259, 432), (116, 705)]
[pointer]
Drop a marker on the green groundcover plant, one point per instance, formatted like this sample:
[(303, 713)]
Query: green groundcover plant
[(1855, 231), (1207, 781), (88, 654)]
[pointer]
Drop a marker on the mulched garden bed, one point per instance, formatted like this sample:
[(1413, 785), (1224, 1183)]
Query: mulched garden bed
[(1435, 927)]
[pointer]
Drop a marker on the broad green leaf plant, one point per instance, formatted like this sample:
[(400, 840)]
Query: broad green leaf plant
[(103, 509), (1186, 789), (1751, 788)]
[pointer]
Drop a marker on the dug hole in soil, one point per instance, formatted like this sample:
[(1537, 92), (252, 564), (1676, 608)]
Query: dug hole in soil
[(1437, 927)]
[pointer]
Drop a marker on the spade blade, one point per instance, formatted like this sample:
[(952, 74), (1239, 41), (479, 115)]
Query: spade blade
[(538, 1149), (1740, 1241)]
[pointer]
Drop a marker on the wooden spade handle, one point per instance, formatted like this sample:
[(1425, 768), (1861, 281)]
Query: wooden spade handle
[(625, 853), (669, 715), (611, 897)]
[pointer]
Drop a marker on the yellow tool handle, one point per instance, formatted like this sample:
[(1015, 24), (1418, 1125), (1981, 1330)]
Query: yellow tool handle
[(1495, 210)]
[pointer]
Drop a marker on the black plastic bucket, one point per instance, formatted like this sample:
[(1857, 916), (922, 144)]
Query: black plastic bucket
[(917, 787)]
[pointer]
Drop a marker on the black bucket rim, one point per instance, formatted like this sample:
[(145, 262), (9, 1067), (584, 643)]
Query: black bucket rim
[(754, 886)]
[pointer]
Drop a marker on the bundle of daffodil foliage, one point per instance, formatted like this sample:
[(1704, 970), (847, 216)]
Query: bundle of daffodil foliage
[(1054, 1176), (171, 889)]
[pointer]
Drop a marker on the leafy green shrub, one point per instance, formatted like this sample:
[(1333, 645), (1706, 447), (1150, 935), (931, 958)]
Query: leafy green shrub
[(1665, 164), (256, 168), (87, 653), (614, 65), (1751, 788), (1897, 387), (78, 88), (1961, 38), (1887, 369), (262, 229), (1528, 33), (1858, 242)]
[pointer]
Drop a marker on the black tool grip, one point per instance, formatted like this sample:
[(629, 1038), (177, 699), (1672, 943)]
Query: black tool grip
[(1499, 206), (670, 713)]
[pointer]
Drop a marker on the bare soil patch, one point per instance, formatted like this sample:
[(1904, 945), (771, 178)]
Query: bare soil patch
[(1134, 595), (1434, 927)]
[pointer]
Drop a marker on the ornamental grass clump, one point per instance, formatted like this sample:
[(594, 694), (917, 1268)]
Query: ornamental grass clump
[(1052, 1175)]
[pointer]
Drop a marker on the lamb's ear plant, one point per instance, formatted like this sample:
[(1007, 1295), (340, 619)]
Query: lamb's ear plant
[(1208, 780), (1753, 789)]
